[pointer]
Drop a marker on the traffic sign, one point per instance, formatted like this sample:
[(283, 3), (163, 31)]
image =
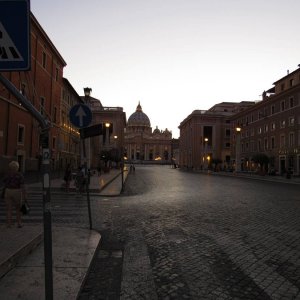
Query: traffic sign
[(15, 35), (80, 115)]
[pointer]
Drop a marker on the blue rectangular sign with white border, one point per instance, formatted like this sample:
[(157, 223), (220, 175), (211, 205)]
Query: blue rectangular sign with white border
[(15, 35)]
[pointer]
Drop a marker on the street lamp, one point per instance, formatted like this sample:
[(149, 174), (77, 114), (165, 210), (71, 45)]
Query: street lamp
[(238, 130), (107, 125), (87, 91), (122, 163), (205, 153)]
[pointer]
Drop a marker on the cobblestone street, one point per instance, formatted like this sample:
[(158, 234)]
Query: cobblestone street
[(180, 235)]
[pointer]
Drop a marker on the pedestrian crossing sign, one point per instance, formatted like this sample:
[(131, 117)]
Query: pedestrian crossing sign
[(14, 35)]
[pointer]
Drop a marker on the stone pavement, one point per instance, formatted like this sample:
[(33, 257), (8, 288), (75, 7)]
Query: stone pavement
[(22, 256)]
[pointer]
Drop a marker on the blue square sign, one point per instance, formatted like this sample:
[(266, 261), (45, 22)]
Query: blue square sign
[(15, 35)]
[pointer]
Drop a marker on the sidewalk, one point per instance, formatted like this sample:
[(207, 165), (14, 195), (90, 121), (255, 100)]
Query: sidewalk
[(22, 250), (275, 178)]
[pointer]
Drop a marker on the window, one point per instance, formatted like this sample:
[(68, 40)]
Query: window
[(291, 139), (291, 121), (259, 131), (227, 145), (21, 134), (292, 82), (63, 118), (54, 142), (247, 133), (282, 105), (272, 142), (44, 60), (272, 110), (266, 128), (282, 124), (42, 106), (291, 102), (227, 132), (266, 145), (259, 145), (273, 126), (282, 87)]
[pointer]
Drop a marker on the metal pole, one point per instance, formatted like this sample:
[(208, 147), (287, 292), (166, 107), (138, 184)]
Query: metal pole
[(87, 178), (44, 138), (238, 150)]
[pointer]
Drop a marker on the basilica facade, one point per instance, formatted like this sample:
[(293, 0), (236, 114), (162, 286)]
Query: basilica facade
[(144, 145)]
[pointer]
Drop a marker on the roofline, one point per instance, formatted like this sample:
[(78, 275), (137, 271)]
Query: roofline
[(297, 70), (67, 82), (35, 21)]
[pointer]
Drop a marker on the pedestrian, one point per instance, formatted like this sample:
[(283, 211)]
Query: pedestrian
[(14, 193), (99, 171), (68, 177), (79, 180)]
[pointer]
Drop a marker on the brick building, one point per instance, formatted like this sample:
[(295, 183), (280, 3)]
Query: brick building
[(271, 127), (42, 85)]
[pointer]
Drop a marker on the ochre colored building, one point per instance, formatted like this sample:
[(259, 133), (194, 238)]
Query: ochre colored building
[(205, 136)]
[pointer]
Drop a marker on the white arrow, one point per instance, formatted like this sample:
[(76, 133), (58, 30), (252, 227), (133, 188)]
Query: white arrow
[(80, 114)]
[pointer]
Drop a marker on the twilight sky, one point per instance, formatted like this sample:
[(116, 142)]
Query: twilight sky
[(174, 56)]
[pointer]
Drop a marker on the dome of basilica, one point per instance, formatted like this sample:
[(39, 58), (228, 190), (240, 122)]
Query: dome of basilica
[(138, 118)]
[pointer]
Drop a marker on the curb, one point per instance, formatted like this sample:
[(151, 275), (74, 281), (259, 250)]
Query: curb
[(21, 253)]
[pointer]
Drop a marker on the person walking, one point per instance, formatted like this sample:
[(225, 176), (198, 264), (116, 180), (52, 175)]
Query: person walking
[(68, 177), (79, 180), (14, 193)]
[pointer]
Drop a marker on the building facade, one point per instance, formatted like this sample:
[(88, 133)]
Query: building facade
[(272, 128), (205, 136), (144, 145), (68, 144), (42, 86), (110, 141)]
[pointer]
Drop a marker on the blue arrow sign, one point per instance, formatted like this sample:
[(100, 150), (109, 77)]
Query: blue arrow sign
[(80, 115), (15, 35)]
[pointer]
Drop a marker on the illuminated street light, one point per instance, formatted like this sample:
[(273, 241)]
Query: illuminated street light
[(205, 154)]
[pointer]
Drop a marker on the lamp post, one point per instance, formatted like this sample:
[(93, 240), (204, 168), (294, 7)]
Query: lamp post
[(121, 162), (87, 163), (107, 125), (205, 154), (87, 93), (238, 149)]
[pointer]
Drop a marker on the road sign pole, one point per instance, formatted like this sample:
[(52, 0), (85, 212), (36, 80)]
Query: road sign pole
[(87, 183), (44, 138)]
